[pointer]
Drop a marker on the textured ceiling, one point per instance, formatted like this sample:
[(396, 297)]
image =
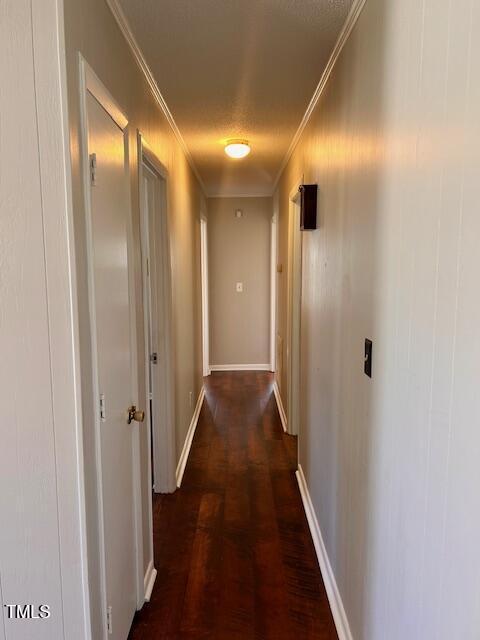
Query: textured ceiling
[(237, 68)]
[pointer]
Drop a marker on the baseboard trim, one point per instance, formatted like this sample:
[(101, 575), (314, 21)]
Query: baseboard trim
[(149, 581), (240, 367), (334, 598), (281, 410), (182, 463)]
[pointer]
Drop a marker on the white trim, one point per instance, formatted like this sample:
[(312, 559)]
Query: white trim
[(149, 581), (205, 304), (273, 291), (163, 444), (102, 95), (138, 512), (350, 22), (334, 597), (136, 440), (90, 83), (182, 463), (125, 28), (240, 367), (281, 410), (151, 156), (294, 300), (86, 85)]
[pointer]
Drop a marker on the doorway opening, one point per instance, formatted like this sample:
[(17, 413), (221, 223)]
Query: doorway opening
[(273, 290), (294, 315), (205, 309), (157, 306)]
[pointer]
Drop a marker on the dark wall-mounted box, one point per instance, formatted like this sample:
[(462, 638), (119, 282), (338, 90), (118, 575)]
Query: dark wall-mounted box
[(308, 206)]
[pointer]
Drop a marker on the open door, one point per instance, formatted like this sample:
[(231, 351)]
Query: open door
[(205, 307), (294, 315), (156, 271)]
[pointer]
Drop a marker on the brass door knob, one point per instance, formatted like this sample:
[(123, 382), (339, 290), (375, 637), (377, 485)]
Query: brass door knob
[(135, 414)]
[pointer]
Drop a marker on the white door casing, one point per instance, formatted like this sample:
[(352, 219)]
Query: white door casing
[(273, 291), (157, 294), (205, 307), (145, 561), (294, 315), (151, 193)]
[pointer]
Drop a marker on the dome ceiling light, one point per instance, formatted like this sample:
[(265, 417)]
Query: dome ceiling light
[(237, 148)]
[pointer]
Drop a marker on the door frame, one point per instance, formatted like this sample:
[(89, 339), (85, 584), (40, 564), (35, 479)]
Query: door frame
[(294, 310), (205, 302), (90, 83), (163, 445), (273, 287)]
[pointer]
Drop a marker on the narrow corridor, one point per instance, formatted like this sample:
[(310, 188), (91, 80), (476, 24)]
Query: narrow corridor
[(233, 551)]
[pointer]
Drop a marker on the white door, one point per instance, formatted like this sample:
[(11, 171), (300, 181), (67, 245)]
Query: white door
[(205, 318), (109, 213), (151, 206), (294, 328), (156, 266)]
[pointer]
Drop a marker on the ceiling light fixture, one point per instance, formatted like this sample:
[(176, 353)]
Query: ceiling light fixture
[(237, 148)]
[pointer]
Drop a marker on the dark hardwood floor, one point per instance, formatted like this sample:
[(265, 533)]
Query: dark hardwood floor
[(234, 555)]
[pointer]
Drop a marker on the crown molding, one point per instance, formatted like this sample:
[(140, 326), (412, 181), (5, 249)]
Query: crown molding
[(347, 28), (125, 28)]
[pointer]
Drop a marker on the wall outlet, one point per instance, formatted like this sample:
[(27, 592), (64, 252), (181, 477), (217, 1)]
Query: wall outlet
[(239, 287), (190, 398)]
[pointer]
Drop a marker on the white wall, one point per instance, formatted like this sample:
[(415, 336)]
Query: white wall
[(41, 543), (393, 463), (239, 251)]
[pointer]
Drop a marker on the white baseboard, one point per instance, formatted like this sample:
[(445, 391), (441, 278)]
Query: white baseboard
[(334, 598), (149, 581), (182, 463), (281, 410), (240, 367)]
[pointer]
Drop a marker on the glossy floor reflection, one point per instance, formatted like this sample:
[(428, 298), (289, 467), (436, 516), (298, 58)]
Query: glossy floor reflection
[(233, 551)]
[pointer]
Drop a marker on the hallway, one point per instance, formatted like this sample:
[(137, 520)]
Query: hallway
[(240, 330), (234, 555)]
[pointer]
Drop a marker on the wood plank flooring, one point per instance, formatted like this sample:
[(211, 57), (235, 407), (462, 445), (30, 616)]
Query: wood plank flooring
[(233, 551)]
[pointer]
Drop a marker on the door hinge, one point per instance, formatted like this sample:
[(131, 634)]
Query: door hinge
[(102, 407), (154, 357), (109, 621), (93, 169)]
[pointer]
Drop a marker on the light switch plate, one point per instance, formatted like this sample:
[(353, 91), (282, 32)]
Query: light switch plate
[(239, 287)]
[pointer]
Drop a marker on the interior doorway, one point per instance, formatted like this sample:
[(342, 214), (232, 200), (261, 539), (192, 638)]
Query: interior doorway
[(156, 276), (205, 307), (294, 315), (273, 289)]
